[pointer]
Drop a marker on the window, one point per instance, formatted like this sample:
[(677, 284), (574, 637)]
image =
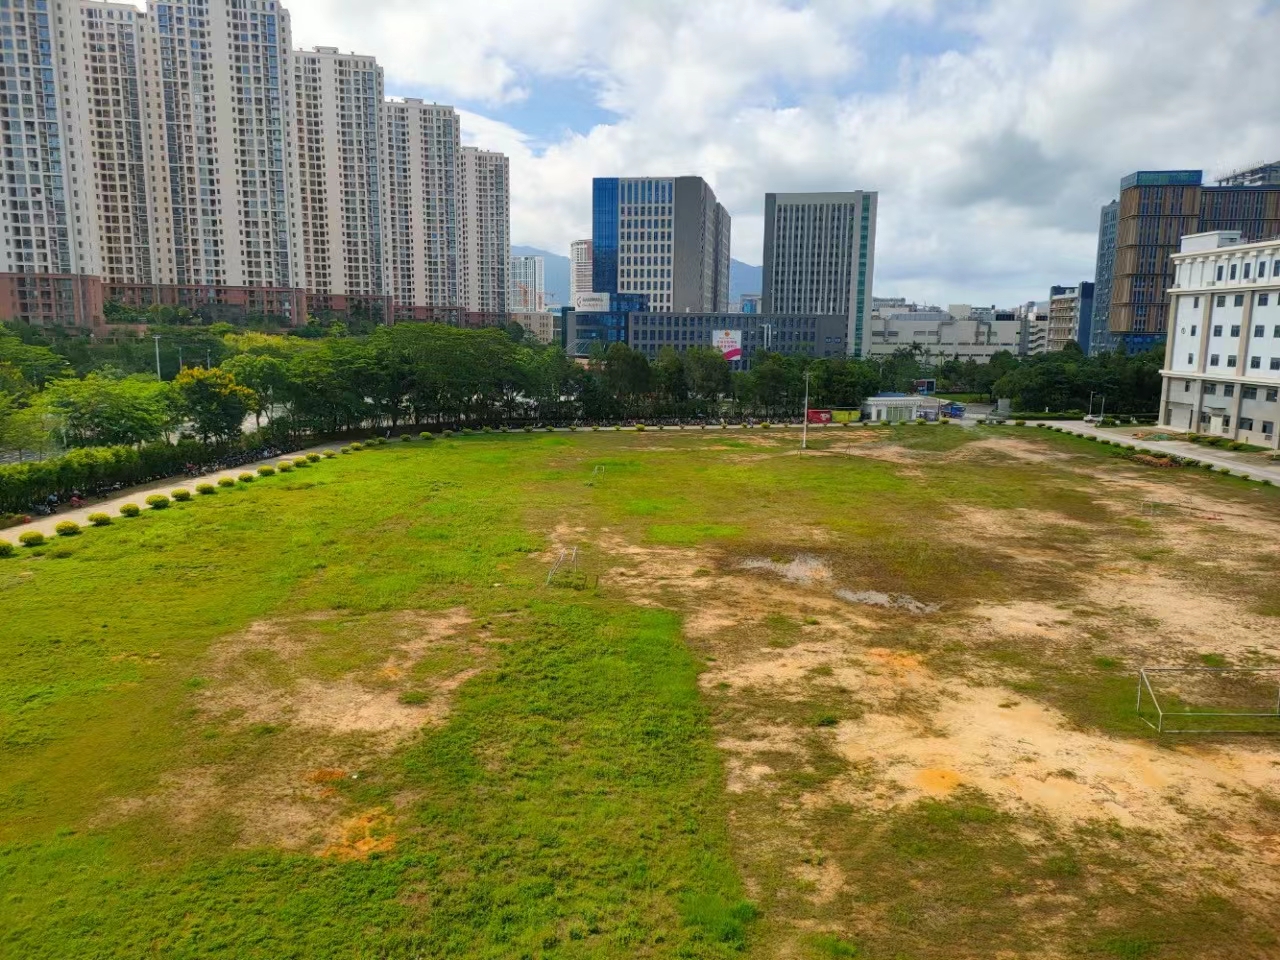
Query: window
[(1226, 423), (1239, 301), (1217, 330), (1255, 363), (1221, 301), (1246, 423), (1204, 419), (1275, 269), (1268, 427), (1249, 393), (1235, 329), (1231, 360), (1234, 268), (1246, 271), (1263, 299), (1193, 329), (1213, 360), (1210, 389), (1259, 331), (1190, 359), (1220, 271), (1186, 386), (1273, 395), (1195, 303), (1228, 389)]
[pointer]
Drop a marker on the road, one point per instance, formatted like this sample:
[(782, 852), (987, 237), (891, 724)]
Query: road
[(1241, 464)]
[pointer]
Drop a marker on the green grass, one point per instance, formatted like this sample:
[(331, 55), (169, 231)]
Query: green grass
[(572, 804)]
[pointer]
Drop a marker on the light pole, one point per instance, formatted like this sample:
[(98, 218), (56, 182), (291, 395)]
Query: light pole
[(804, 427), (156, 338), (179, 358)]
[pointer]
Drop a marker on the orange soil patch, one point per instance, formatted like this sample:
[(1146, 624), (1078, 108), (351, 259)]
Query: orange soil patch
[(358, 837)]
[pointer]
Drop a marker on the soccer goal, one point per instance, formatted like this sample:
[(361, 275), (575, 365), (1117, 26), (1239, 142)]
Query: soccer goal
[(1210, 699)]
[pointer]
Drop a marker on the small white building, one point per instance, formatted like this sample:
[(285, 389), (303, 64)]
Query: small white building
[(1222, 357), (899, 408)]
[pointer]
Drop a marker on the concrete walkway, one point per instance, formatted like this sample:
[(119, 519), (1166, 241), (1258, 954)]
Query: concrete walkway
[(1252, 465), (139, 495)]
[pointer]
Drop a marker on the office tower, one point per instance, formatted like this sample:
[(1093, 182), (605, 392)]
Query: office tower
[(1222, 360), (1264, 176), (338, 115), (1070, 315), (579, 270), (528, 285), (1158, 208), (819, 257), (664, 238), (421, 156), (1104, 276), (484, 207)]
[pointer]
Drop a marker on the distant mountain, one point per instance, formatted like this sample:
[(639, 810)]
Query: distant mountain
[(743, 278), (555, 275)]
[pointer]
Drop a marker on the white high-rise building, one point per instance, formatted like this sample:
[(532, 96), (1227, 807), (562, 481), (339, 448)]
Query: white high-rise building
[(421, 155), (579, 270), (485, 237), (819, 257), (339, 146), (1222, 359), (528, 285)]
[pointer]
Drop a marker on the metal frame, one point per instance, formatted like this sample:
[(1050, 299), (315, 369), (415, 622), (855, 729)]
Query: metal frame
[(1144, 683), (560, 562)]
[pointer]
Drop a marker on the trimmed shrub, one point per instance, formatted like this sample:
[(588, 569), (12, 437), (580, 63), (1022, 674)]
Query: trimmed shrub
[(130, 510), (100, 519), (1265, 482), (379, 440), (595, 428), (920, 421), (1226, 472), (344, 451), (266, 470), (7, 549), (226, 482), (246, 478), (314, 457), (487, 430), (528, 429), (1207, 466), (551, 429), (354, 446), (446, 433), (67, 528), (157, 501), (426, 435), (1019, 423), (31, 538), (766, 425), (302, 463), (406, 437), (661, 427), (284, 466), (181, 495), (640, 427), (466, 431), (1235, 445), (573, 428)]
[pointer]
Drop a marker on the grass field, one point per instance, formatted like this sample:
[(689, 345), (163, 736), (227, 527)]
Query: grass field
[(872, 702)]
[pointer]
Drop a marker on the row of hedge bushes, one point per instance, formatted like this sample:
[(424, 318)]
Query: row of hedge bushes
[(158, 501), (1131, 452)]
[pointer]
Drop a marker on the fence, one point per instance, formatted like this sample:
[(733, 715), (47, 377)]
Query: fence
[(1198, 700)]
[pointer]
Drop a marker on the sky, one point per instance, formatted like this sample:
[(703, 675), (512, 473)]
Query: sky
[(993, 130)]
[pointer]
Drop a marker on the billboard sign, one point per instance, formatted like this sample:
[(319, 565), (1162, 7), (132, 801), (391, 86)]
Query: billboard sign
[(819, 416), (728, 342), (591, 303)]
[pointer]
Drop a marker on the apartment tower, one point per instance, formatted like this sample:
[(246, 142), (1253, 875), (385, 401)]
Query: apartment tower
[(579, 270), (484, 204), (338, 117), (819, 258), (528, 285)]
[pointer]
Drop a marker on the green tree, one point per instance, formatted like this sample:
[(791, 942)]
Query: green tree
[(102, 410), (213, 402)]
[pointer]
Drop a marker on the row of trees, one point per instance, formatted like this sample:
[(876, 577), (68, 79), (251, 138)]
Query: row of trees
[(73, 395)]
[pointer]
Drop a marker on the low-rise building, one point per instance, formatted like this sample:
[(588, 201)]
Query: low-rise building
[(1222, 357), (900, 408), (539, 324), (1070, 316), (937, 335)]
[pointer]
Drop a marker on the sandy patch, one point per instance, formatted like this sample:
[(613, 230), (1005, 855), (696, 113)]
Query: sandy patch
[(889, 601), (803, 569)]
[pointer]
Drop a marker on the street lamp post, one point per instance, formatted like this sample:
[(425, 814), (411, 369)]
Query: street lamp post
[(804, 427), (156, 338)]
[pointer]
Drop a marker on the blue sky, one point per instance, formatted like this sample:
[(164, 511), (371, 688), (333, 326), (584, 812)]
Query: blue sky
[(993, 130)]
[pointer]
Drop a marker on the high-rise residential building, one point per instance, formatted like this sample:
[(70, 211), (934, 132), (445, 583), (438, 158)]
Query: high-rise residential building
[(664, 238), (421, 154), (528, 285), (485, 237), (579, 270), (819, 257), (1104, 275), (1156, 209), (1222, 358), (338, 117), (1070, 314)]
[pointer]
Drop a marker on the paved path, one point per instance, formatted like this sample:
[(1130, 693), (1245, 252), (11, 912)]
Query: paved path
[(139, 495), (1242, 464)]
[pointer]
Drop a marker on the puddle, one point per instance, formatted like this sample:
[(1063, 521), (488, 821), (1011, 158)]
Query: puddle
[(892, 601), (803, 569)]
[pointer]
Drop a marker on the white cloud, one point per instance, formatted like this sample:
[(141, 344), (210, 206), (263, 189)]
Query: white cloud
[(992, 153)]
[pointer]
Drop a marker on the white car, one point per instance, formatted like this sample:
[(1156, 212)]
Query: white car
[(1091, 419)]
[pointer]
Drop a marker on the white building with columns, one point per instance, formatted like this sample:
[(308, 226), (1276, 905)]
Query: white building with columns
[(1222, 358)]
